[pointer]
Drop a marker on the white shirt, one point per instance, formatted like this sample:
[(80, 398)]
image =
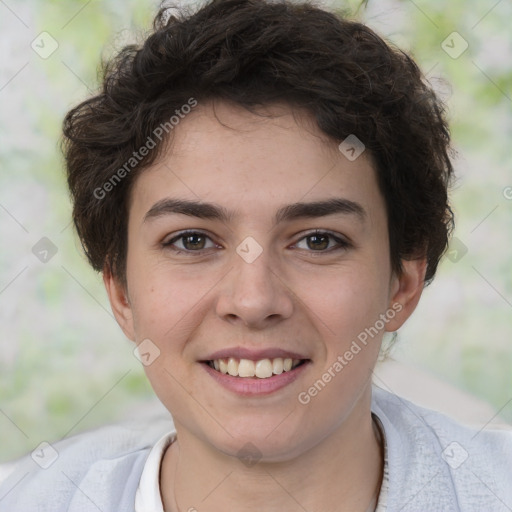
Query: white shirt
[(148, 497), (433, 464)]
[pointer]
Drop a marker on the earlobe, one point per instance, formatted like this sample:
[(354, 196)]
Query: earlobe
[(119, 302), (406, 291)]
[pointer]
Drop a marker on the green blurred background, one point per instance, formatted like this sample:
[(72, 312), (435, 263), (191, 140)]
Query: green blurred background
[(65, 366)]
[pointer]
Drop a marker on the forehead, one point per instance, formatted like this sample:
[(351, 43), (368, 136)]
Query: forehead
[(252, 163)]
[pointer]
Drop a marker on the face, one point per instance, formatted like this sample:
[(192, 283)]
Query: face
[(285, 256)]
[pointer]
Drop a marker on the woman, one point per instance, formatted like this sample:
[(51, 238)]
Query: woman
[(264, 188)]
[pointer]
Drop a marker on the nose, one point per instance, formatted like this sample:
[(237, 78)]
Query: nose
[(254, 294)]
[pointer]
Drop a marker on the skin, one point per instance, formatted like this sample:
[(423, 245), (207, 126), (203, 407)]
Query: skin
[(300, 294)]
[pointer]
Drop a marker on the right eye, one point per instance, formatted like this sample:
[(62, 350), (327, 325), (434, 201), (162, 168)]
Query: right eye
[(188, 242)]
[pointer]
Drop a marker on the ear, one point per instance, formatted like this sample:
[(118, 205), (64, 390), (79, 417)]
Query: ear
[(406, 290), (120, 303)]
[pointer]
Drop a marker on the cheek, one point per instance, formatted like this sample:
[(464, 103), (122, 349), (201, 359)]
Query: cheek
[(151, 286), (167, 304), (167, 308), (345, 300), (344, 308)]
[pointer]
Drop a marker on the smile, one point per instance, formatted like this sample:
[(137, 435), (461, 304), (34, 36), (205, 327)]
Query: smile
[(249, 378), (262, 369)]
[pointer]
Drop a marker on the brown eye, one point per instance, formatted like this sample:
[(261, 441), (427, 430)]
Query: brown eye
[(322, 241), (189, 241), (318, 242), (195, 241)]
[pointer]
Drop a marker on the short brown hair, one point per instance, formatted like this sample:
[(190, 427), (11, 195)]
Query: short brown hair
[(253, 53)]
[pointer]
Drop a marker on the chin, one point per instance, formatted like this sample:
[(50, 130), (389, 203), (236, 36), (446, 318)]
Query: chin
[(257, 444)]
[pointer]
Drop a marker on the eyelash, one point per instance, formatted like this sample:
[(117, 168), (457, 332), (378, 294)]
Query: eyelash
[(343, 244)]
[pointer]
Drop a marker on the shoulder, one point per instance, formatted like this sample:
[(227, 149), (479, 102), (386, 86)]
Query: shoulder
[(99, 469), (435, 462)]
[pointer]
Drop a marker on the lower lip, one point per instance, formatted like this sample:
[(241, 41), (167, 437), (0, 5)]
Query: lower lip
[(251, 386)]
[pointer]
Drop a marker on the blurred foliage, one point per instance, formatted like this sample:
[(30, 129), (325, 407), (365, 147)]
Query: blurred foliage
[(62, 353)]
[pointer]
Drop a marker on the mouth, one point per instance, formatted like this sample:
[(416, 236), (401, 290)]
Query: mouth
[(260, 369), (255, 378)]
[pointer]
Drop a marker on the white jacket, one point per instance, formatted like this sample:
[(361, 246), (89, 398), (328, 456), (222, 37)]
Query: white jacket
[(433, 465)]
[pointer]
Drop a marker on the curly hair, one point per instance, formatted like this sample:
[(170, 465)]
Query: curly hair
[(253, 53)]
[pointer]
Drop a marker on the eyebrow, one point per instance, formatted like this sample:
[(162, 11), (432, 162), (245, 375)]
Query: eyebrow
[(294, 211)]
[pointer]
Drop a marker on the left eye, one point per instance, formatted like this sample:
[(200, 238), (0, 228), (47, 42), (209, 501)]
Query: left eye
[(319, 241), (189, 241)]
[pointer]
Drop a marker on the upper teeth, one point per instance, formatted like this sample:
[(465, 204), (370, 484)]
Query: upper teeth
[(262, 369)]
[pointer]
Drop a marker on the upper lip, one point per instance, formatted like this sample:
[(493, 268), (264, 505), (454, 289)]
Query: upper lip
[(254, 355)]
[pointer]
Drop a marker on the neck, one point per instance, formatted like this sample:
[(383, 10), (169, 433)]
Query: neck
[(342, 472)]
